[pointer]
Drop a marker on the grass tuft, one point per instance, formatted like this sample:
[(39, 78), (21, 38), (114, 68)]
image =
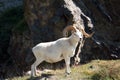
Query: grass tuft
[(95, 70)]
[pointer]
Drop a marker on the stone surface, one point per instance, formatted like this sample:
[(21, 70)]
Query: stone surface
[(7, 4), (47, 18)]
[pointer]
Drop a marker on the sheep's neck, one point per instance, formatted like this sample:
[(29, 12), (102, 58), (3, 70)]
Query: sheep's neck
[(73, 41)]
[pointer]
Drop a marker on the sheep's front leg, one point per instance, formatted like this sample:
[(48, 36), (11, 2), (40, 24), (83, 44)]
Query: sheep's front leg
[(32, 70), (67, 61), (77, 59)]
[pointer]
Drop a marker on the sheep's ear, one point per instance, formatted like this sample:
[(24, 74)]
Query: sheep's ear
[(65, 34)]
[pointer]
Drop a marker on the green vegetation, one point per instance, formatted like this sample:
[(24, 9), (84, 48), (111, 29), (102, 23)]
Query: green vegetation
[(20, 27), (111, 72), (11, 16), (95, 70), (13, 19), (1, 4)]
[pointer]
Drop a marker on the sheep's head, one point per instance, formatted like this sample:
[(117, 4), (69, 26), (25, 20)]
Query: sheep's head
[(73, 30), (86, 35), (78, 34)]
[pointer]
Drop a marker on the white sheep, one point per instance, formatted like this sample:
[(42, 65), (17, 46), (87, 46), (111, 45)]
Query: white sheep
[(81, 42), (63, 48)]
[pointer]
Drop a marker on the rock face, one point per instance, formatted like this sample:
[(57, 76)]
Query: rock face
[(106, 22), (7, 4), (47, 18)]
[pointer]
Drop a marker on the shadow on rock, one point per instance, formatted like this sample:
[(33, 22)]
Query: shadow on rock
[(42, 77)]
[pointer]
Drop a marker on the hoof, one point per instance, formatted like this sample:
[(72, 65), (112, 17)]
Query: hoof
[(67, 73), (38, 73), (32, 77)]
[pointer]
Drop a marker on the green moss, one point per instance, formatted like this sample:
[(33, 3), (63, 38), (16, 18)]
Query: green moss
[(20, 27), (13, 19), (1, 4), (96, 77), (11, 16), (8, 19), (99, 71), (108, 72)]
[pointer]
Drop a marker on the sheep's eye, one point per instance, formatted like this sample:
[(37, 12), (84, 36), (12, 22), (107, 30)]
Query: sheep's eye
[(75, 34)]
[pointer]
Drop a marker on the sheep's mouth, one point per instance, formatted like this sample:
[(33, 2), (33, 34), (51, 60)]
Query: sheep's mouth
[(80, 39)]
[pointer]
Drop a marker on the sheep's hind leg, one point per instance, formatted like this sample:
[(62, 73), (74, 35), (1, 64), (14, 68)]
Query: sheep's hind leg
[(33, 67)]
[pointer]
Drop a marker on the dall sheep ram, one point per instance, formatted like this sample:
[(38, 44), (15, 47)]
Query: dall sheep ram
[(81, 42), (54, 51)]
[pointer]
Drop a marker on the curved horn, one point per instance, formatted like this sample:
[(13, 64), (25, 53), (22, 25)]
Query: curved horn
[(67, 29), (86, 34)]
